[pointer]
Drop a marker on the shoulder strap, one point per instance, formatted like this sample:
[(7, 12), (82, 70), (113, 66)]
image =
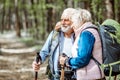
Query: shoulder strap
[(90, 27), (56, 35), (59, 41), (95, 60)]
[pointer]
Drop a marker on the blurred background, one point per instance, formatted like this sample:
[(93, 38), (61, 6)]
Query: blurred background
[(25, 25)]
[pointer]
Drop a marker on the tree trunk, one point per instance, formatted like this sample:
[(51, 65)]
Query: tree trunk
[(49, 16), (3, 18), (87, 5), (117, 9), (65, 3), (17, 22), (70, 3), (43, 19), (9, 17), (25, 13), (35, 18), (109, 9)]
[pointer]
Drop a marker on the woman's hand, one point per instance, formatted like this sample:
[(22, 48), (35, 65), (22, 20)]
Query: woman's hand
[(58, 26), (62, 60)]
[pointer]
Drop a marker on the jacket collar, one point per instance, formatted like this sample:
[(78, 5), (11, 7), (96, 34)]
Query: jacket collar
[(79, 30)]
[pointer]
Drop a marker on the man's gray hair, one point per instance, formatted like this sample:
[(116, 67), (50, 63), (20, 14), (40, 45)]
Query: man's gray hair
[(67, 13)]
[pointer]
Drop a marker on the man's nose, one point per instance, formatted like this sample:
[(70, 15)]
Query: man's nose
[(72, 25), (62, 22)]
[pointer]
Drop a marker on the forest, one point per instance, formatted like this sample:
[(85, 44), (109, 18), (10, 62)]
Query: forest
[(25, 25), (38, 17)]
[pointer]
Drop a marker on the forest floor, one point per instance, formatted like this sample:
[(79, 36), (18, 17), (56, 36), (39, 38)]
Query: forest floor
[(16, 57)]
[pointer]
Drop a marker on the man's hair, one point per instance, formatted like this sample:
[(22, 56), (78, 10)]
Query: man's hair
[(67, 13)]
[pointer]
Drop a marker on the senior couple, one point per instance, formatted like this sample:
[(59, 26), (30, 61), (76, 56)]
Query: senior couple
[(72, 37)]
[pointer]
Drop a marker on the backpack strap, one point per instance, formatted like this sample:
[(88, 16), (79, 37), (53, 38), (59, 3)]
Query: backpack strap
[(59, 41), (93, 27), (95, 61), (97, 64), (55, 36)]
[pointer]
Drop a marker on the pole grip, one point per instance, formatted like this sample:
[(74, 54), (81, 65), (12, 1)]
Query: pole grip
[(37, 60), (62, 73)]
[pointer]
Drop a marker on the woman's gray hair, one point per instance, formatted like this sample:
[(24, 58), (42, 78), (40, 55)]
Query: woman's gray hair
[(81, 15)]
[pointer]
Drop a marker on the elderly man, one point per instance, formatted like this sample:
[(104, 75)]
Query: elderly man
[(58, 42)]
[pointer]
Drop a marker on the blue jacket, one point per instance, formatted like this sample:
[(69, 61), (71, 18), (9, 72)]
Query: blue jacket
[(52, 48), (84, 52)]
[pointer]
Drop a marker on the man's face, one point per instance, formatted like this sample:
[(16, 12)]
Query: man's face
[(66, 25)]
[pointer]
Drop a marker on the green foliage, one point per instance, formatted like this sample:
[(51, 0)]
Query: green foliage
[(75, 3), (38, 11), (116, 6), (97, 10), (94, 6)]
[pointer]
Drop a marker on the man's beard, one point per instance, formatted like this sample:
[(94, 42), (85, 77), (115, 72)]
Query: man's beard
[(65, 29)]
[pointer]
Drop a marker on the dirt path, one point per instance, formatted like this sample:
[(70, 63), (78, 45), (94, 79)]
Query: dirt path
[(16, 60), (18, 67)]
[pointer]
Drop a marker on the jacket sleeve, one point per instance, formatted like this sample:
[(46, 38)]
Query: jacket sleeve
[(84, 51), (46, 47)]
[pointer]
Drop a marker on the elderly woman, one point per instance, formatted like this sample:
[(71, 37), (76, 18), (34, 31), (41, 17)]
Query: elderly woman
[(87, 44)]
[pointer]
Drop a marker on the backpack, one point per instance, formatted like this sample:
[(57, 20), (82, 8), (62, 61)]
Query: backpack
[(109, 32)]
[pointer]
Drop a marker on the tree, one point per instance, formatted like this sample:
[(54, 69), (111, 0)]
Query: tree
[(17, 22), (49, 15), (109, 8), (25, 15), (3, 17), (35, 16)]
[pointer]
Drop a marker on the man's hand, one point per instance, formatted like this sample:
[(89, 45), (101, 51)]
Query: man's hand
[(36, 66)]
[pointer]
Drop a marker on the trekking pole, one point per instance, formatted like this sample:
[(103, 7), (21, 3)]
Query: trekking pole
[(115, 78), (62, 73), (62, 68), (37, 60)]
